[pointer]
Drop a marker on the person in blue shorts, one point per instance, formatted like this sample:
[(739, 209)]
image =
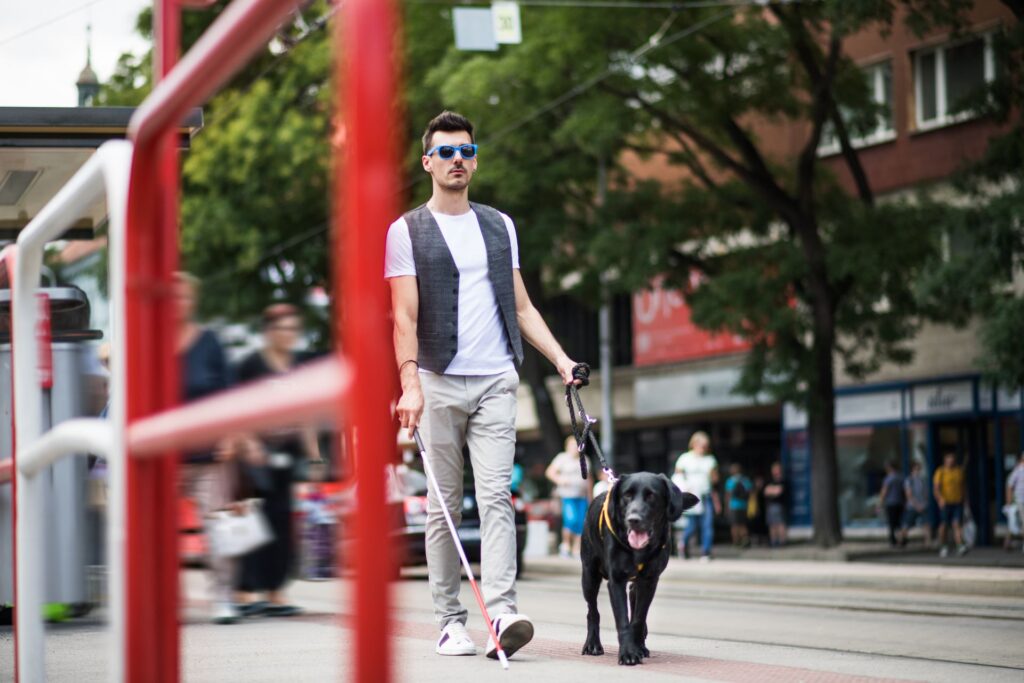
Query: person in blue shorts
[(574, 492)]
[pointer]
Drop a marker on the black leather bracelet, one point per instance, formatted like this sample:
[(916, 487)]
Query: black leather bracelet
[(404, 363)]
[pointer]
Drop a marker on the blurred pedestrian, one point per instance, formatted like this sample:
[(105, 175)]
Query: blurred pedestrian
[(775, 499), (574, 492), (756, 517), (601, 485), (1015, 501), (208, 478), (949, 487), (738, 490), (915, 488), (698, 471), (266, 570), (892, 499)]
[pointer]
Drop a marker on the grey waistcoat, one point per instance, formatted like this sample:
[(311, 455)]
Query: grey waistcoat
[(438, 283)]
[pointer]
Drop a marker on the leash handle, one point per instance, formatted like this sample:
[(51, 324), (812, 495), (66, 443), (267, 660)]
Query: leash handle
[(585, 433)]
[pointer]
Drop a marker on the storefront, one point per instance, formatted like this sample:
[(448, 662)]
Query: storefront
[(906, 422)]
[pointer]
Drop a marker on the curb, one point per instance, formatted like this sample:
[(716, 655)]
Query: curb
[(904, 578)]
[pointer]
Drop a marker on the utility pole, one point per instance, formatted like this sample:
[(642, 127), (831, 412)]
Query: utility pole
[(604, 331)]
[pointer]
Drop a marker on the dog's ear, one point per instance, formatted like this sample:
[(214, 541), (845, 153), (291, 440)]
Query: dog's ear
[(614, 493), (678, 501)]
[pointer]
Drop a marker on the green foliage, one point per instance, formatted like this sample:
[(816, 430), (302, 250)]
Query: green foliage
[(255, 181), (986, 232)]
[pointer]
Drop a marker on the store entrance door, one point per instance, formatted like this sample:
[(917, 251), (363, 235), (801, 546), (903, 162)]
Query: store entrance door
[(965, 439)]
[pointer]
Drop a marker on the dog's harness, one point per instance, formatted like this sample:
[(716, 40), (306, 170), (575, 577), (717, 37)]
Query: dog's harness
[(583, 433)]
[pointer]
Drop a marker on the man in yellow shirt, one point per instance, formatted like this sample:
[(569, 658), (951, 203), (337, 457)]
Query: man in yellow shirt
[(950, 494)]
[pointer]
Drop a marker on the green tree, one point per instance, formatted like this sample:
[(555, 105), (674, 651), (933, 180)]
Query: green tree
[(815, 270), (986, 233), (254, 201)]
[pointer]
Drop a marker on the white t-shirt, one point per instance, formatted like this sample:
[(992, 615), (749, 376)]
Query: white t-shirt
[(483, 344), (696, 472), (568, 468)]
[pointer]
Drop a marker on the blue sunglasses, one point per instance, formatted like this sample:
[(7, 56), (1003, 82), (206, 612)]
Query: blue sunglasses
[(446, 152)]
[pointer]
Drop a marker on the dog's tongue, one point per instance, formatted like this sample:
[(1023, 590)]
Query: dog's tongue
[(638, 539)]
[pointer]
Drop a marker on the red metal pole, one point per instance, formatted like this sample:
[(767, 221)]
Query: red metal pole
[(151, 628), (7, 258), (364, 206)]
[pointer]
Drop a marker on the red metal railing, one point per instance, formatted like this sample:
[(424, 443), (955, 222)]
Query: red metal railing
[(366, 173), (363, 208)]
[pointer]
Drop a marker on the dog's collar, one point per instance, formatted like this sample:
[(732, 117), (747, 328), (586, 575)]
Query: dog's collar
[(606, 521)]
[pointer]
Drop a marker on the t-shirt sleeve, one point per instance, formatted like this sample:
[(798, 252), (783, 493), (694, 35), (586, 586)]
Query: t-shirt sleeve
[(398, 259), (510, 226)]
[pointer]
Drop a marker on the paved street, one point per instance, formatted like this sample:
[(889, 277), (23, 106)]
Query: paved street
[(727, 621)]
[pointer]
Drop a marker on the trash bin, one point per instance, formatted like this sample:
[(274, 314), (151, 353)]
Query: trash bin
[(72, 538)]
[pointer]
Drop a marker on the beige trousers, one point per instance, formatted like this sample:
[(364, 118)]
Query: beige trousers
[(479, 412)]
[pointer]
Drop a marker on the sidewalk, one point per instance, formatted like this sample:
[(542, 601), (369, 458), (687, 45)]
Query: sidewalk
[(806, 567)]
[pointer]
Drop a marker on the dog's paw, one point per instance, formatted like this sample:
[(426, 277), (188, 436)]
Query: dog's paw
[(644, 651), (631, 655), (592, 648)]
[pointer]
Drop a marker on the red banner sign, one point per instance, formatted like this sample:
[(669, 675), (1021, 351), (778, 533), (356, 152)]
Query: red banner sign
[(664, 333)]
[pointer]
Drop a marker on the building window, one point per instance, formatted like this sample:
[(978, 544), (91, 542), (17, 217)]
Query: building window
[(863, 453), (876, 126), (945, 77)]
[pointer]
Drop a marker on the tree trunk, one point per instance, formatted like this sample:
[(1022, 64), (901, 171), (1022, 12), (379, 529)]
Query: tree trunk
[(535, 369), (822, 424)]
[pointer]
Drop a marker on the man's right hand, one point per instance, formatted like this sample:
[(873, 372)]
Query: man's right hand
[(410, 408)]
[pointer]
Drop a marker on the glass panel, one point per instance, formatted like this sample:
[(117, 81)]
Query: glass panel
[(885, 118), (965, 72), (863, 452), (926, 76)]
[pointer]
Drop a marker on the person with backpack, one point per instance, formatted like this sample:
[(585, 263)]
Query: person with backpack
[(893, 498), (737, 496)]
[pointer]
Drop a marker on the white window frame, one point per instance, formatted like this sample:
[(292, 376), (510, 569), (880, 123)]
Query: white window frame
[(942, 115), (885, 130)]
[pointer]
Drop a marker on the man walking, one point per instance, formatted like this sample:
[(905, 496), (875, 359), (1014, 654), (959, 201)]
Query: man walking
[(950, 494), (460, 313)]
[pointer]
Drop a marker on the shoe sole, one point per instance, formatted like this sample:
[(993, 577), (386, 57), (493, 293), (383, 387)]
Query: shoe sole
[(462, 653), (513, 638)]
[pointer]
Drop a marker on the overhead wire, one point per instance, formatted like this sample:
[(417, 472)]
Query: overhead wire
[(656, 40), (49, 22)]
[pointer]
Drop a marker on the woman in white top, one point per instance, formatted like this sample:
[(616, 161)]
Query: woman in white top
[(697, 473), (574, 490)]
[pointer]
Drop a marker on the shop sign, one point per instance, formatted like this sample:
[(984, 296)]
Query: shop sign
[(690, 392), (943, 399), (664, 333), (882, 406), (1006, 400)]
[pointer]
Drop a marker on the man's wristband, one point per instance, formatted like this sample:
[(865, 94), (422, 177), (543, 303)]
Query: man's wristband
[(404, 363)]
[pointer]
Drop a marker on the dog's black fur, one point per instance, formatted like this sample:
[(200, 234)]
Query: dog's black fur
[(643, 503)]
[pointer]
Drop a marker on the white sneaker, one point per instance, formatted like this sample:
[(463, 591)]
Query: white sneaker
[(514, 631), (944, 552), (224, 613), (455, 641)]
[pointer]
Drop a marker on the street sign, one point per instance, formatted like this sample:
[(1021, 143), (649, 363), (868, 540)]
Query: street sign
[(474, 29), (507, 29)]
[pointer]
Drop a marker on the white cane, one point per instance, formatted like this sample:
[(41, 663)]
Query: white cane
[(429, 471)]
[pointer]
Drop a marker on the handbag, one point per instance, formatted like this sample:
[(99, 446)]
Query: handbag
[(233, 534), (970, 530)]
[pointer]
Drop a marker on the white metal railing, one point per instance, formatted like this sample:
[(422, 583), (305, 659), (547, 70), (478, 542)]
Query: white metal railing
[(104, 175)]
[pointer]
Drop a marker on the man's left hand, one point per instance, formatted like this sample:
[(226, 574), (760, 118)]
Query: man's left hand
[(565, 368)]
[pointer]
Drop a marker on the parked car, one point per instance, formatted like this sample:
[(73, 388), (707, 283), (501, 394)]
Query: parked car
[(411, 526)]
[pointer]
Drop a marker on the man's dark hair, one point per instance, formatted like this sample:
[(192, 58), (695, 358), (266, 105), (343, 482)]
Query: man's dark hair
[(446, 122)]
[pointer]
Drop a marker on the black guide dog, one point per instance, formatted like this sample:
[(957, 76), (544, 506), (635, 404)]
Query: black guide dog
[(625, 540)]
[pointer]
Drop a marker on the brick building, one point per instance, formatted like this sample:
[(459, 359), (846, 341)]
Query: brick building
[(674, 378)]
